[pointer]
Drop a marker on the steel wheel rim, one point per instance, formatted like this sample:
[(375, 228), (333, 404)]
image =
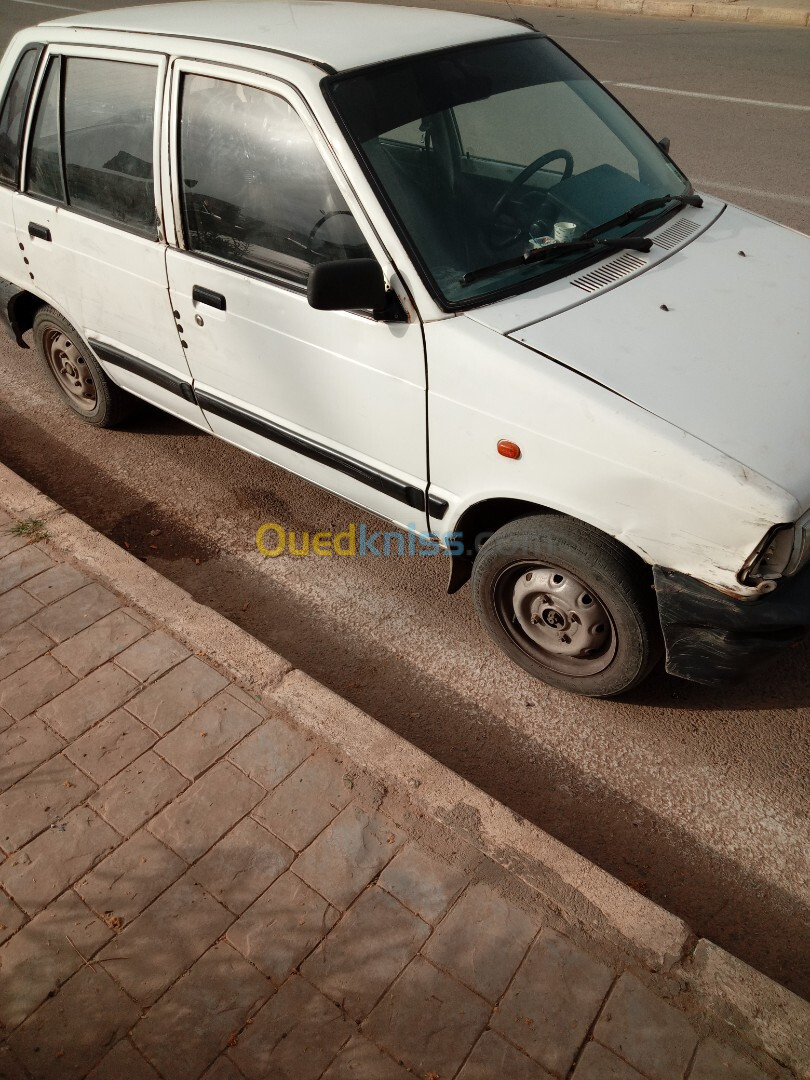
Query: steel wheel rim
[(555, 618), (69, 368)]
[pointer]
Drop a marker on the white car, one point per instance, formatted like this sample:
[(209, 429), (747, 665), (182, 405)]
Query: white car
[(426, 261)]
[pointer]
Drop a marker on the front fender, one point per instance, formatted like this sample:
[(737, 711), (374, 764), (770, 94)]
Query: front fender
[(586, 452), (460, 572)]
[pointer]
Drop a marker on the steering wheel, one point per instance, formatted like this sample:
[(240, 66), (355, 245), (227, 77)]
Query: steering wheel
[(501, 206), (318, 226)]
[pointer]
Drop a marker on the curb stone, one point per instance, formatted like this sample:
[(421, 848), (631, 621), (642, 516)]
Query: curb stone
[(719, 10), (705, 979), (567, 879), (734, 990)]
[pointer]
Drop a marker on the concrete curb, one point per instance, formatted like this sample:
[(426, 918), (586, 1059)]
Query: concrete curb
[(712, 982), (721, 11)]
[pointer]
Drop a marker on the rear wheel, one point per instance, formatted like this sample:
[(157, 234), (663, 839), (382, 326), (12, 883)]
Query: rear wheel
[(570, 605), (81, 382)]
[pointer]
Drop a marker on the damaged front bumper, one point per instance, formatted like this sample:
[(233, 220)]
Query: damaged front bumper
[(713, 638)]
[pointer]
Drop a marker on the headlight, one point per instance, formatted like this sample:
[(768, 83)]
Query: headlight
[(783, 553)]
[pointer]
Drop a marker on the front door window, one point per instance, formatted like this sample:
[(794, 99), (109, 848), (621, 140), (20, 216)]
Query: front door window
[(255, 190)]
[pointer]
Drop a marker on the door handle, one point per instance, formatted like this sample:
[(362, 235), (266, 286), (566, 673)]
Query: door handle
[(206, 296), (39, 231)]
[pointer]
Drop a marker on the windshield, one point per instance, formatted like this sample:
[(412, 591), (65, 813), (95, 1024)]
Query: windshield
[(485, 153)]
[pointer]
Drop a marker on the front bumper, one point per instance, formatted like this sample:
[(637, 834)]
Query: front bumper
[(713, 638)]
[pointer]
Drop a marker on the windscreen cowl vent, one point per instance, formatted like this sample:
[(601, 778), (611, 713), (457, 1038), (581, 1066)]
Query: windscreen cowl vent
[(675, 234), (615, 270)]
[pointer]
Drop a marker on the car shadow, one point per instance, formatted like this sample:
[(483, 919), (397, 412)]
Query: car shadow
[(782, 682), (720, 898), (149, 420)]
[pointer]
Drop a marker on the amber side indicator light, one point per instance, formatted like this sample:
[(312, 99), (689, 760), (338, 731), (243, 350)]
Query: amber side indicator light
[(508, 449)]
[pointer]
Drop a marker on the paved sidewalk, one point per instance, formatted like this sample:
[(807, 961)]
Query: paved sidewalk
[(193, 886)]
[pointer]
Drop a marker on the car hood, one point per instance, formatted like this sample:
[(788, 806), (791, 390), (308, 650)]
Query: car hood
[(713, 337)]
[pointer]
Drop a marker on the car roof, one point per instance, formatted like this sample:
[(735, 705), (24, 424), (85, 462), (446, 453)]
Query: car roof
[(334, 35)]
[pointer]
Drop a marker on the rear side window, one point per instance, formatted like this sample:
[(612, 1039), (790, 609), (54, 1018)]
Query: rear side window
[(12, 114), (109, 136), (255, 189), (96, 153), (44, 164)]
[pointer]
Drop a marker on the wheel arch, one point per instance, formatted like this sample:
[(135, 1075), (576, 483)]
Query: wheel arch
[(475, 523), (483, 518), (18, 308)]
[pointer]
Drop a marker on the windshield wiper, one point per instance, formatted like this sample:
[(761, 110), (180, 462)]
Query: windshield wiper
[(551, 251), (640, 209)]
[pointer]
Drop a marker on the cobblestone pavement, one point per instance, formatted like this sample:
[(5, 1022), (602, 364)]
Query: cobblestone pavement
[(192, 887)]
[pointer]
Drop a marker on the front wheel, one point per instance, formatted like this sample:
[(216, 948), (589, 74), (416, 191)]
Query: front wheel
[(570, 605)]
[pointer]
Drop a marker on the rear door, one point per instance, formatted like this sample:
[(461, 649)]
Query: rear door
[(87, 222), (16, 79), (331, 395)]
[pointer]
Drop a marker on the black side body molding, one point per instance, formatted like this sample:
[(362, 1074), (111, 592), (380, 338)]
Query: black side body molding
[(388, 485), (324, 455), (116, 358), (437, 507)]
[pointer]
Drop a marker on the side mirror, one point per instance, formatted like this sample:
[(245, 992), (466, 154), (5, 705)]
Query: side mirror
[(346, 285), (664, 144)]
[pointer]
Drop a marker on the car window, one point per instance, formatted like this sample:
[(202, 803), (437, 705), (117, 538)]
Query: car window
[(109, 117), (487, 129), (12, 113), (520, 139), (254, 187), (413, 133), (44, 166)]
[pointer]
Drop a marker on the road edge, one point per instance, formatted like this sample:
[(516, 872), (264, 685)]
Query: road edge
[(707, 10), (739, 997)]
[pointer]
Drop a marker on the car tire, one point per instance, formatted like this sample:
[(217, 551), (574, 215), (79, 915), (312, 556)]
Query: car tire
[(82, 384), (568, 604)]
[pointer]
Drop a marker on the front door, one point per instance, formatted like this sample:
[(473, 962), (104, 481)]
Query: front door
[(86, 219), (333, 396)]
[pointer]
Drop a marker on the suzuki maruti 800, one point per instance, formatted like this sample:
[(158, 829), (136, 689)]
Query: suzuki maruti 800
[(427, 262)]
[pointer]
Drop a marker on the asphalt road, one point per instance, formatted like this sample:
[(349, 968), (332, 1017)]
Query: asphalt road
[(696, 797)]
